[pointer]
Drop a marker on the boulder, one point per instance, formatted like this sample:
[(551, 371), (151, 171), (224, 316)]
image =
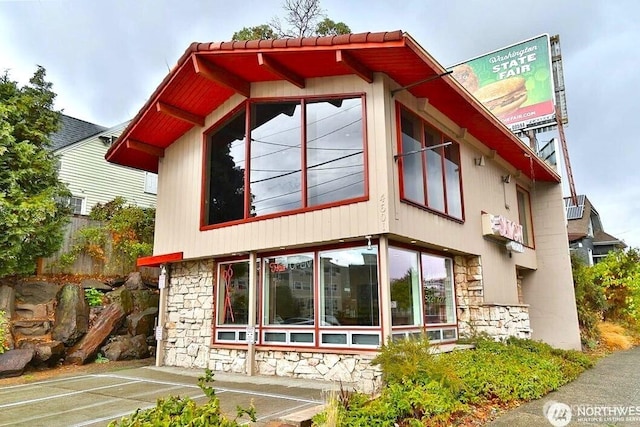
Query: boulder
[(134, 281), (142, 323), (123, 297), (126, 347), (31, 328), (36, 292), (116, 282), (144, 299), (50, 352), (95, 284), (72, 315), (13, 362), (34, 311), (7, 300), (108, 321)]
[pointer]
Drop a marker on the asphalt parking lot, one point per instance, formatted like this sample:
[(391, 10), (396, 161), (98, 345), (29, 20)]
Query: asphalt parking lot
[(96, 399)]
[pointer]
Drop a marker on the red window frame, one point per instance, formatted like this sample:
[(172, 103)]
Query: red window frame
[(528, 225), (246, 105), (424, 125)]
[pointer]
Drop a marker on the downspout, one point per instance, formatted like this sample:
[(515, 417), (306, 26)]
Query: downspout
[(161, 335)]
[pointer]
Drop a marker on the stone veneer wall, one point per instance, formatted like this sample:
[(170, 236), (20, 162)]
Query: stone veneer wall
[(190, 313), (474, 315)]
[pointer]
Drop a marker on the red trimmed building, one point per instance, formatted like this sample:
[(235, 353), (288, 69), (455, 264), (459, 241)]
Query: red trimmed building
[(317, 196)]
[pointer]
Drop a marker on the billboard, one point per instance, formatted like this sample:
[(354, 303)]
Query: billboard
[(515, 83)]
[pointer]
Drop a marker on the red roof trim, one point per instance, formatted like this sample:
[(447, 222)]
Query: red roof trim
[(157, 260)]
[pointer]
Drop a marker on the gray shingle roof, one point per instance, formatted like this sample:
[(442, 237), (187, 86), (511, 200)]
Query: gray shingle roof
[(73, 130)]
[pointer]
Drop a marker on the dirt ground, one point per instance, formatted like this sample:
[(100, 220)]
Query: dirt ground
[(42, 374)]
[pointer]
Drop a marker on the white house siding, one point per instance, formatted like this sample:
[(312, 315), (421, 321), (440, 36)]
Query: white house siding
[(87, 174)]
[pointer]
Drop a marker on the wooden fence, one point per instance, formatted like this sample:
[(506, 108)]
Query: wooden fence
[(85, 264)]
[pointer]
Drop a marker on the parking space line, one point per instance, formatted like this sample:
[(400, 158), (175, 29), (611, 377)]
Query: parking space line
[(40, 399), (284, 411), (11, 387)]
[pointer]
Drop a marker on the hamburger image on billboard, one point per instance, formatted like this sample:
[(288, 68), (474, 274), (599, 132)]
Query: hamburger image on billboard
[(514, 83)]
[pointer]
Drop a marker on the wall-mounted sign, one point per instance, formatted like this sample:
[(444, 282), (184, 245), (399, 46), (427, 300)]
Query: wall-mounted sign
[(500, 228), (515, 83)]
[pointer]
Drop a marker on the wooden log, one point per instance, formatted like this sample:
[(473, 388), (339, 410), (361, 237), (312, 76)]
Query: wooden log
[(107, 322)]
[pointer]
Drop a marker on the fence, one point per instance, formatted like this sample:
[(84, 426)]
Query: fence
[(84, 263)]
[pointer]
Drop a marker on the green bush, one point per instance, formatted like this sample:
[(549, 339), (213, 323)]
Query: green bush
[(93, 297), (4, 332), (176, 411), (590, 301), (426, 388)]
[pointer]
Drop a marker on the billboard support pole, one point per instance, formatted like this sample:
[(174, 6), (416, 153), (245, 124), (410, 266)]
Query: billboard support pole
[(567, 162)]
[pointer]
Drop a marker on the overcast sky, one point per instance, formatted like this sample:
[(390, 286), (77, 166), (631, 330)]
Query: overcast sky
[(105, 58)]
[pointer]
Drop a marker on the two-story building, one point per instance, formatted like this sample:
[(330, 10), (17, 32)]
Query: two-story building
[(319, 196)]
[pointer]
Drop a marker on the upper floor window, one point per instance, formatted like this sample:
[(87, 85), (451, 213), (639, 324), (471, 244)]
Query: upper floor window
[(524, 216), (285, 156), (429, 177), (150, 183)]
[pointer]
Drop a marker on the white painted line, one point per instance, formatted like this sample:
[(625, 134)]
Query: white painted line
[(25, 402), (84, 377), (284, 411), (123, 377), (122, 414)]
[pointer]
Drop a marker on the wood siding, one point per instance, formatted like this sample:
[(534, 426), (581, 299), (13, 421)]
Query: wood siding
[(87, 174)]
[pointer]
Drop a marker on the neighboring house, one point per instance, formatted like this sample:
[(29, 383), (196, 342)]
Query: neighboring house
[(586, 234), (81, 147), (318, 196)]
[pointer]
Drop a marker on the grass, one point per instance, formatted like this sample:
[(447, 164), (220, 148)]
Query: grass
[(614, 337)]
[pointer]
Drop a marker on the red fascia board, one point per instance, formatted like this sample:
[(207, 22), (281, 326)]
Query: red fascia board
[(157, 260)]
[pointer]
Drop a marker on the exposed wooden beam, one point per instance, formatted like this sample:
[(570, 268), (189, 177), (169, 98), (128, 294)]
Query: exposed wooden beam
[(354, 65), (423, 104), (145, 148), (180, 114), (220, 75), (280, 70), (462, 133)]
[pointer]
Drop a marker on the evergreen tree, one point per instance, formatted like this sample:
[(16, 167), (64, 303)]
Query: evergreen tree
[(32, 211)]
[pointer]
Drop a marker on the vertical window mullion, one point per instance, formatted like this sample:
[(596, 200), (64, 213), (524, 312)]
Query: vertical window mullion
[(303, 152), (247, 163), (444, 174), (423, 157)]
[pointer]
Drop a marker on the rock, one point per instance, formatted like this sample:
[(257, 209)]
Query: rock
[(108, 321), (134, 281), (125, 347), (144, 299), (13, 362), (72, 315), (142, 323), (34, 311), (49, 352), (7, 300), (31, 328), (36, 292), (123, 297), (95, 284), (116, 282)]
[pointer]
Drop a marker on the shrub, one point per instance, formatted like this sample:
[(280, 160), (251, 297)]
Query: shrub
[(590, 301), (4, 332), (614, 337), (184, 411), (93, 297)]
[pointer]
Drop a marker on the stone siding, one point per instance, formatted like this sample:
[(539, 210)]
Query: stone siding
[(474, 315)]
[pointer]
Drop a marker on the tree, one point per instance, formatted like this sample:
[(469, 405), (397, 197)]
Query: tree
[(32, 208), (303, 18)]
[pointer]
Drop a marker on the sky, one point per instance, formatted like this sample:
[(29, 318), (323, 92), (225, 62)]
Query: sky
[(105, 58)]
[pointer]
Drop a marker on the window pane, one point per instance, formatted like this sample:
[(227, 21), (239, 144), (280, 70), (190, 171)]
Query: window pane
[(435, 186), (437, 287), (405, 287), (452, 176), (289, 290), (412, 166), (276, 176), (335, 158), (233, 295), (225, 169), (524, 215), (349, 287)]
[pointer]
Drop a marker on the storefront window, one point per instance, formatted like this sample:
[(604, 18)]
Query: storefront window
[(233, 293), (288, 290), (405, 287), (437, 289), (349, 287)]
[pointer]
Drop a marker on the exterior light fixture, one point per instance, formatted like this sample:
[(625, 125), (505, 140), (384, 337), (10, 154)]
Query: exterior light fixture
[(506, 179), (479, 161), (369, 247)]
